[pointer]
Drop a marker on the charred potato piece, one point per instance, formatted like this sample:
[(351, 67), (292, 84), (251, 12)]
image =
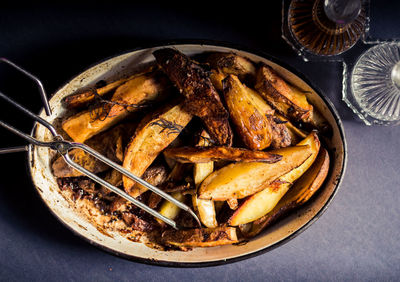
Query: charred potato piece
[(230, 63), (302, 190), (217, 153), (151, 137), (264, 201), (137, 91), (239, 180), (201, 98), (284, 98), (201, 237), (253, 117)]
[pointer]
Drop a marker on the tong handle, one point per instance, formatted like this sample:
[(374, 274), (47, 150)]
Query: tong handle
[(36, 80), (13, 150), (30, 114)]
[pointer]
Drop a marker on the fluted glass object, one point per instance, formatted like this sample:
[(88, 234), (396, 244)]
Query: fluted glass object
[(373, 85)]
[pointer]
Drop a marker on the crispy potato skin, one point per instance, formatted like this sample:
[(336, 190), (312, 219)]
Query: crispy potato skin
[(84, 98), (202, 99), (302, 190), (217, 153), (251, 123), (239, 180), (230, 63), (138, 90), (201, 237), (149, 140), (281, 96)]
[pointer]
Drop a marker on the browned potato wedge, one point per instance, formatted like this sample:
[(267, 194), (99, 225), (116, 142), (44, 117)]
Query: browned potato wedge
[(139, 90), (284, 98), (230, 63), (201, 237), (248, 116), (239, 180), (301, 191), (202, 99), (216, 153), (151, 137), (84, 98), (264, 201), (109, 143), (253, 117)]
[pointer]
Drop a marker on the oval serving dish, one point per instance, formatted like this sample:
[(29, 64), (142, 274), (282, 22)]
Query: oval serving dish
[(285, 229)]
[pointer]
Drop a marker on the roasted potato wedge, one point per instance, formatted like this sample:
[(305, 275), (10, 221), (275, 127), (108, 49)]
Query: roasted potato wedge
[(137, 91), (264, 201), (253, 117), (281, 96), (204, 208), (169, 209), (301, 192), (248, 116), (109, 143), (201, 237), (230, 63), (84, 98), (217, 153), (101, 88), (202, 99), (151, 137), (239, 180)]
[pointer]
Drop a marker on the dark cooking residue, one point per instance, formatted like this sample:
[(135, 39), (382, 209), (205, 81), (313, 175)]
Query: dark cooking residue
[(108, 203)]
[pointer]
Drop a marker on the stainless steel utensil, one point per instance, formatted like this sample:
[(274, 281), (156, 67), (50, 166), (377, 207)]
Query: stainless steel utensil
[(63, 147)]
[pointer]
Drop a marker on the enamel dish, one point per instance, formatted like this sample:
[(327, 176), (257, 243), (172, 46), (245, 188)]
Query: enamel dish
[(279, 233)]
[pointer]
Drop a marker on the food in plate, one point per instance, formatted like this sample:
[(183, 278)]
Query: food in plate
[(226, 135)]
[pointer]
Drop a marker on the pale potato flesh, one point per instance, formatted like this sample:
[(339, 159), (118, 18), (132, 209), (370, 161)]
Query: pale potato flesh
[(239, 180), (302, 190), (264, 201), (204, 208), (169, 209)]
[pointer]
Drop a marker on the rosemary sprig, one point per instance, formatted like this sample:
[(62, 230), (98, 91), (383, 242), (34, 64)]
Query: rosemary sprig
[(173, 127), (100, 109)]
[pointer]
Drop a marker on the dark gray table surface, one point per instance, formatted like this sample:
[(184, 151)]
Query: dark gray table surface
[(355, 239)]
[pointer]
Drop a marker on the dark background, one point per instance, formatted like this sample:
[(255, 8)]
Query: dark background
[(355, 239)]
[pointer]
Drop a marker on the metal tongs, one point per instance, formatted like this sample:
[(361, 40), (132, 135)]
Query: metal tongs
[(63, 147)]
